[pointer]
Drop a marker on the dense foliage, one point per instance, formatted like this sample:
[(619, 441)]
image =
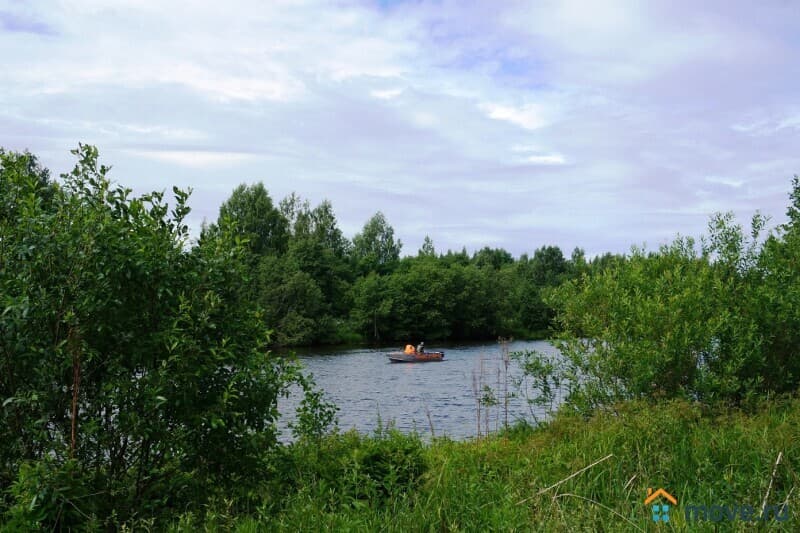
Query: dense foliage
[(135, 375), (714, 322), (316, 286), (701, 456), (138, 390)]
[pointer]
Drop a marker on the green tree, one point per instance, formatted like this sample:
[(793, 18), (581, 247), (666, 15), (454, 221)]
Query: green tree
[(321, 250), (371, 313), (292, 300), (375, 249), (494, 258), (135, 377), (427, 248), (250, 214), (778, 300), (534, 277), (422, 303), (22, 175), (477, 297), (701, 323), (456, 258), (318, 249), (547, 267)]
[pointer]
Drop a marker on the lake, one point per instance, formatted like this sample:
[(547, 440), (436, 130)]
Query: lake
[(369, 390)]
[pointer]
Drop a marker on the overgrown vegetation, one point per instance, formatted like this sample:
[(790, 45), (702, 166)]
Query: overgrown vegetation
[(718, 322), (316, 286), (138, 391), (515, 481), (135, 372)]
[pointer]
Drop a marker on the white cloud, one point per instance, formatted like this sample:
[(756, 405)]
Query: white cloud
[(529, 116), (548, 159), (791, 122), (587, 115), (269, 85), (537, 156), (424, 119), (617, 42), (386, 94), (735, 183), (195, 159)]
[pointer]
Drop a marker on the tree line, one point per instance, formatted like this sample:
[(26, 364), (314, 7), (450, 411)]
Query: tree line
[(318, 287), (136, 376), (715, 320)]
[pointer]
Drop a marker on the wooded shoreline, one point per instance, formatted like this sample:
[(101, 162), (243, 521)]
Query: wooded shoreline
[(139, 387)]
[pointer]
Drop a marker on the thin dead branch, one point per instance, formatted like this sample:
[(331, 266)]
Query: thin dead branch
[(771, 481), (574, 474)]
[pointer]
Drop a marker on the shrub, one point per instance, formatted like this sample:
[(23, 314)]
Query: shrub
[(716, 323), (135, 376)]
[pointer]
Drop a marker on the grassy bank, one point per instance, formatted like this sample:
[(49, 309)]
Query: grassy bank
[(515, 481)]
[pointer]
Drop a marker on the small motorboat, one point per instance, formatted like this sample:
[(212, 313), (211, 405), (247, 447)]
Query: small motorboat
[(415, 357)]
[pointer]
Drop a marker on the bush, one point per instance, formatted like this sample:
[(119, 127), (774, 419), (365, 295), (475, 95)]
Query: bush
[(718, 323), (350, 469), (135, 375)]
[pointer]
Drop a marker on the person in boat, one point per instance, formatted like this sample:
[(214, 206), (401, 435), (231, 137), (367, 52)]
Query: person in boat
[(421, 347), (409, 349)]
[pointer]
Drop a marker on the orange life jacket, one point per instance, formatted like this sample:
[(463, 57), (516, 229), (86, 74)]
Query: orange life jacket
[(409, 349)]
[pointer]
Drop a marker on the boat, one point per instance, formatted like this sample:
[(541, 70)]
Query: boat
[(415, 357)]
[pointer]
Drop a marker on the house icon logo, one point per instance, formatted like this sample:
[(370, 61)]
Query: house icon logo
[(660, 510)]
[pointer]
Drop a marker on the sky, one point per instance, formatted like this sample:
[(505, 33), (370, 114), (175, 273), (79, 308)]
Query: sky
[(600, 124)]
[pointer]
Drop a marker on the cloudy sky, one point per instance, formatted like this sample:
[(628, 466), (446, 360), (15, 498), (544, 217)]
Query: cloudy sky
[(598, 124)]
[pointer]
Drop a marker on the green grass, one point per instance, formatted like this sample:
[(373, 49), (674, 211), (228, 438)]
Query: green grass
[(392, 482)]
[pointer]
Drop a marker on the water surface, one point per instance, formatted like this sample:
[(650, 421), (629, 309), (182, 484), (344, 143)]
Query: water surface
[(367, 388)]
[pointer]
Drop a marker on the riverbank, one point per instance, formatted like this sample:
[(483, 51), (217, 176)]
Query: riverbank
[(570, 474)]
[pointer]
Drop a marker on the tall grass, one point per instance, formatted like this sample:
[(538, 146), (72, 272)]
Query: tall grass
[(570, 474)]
